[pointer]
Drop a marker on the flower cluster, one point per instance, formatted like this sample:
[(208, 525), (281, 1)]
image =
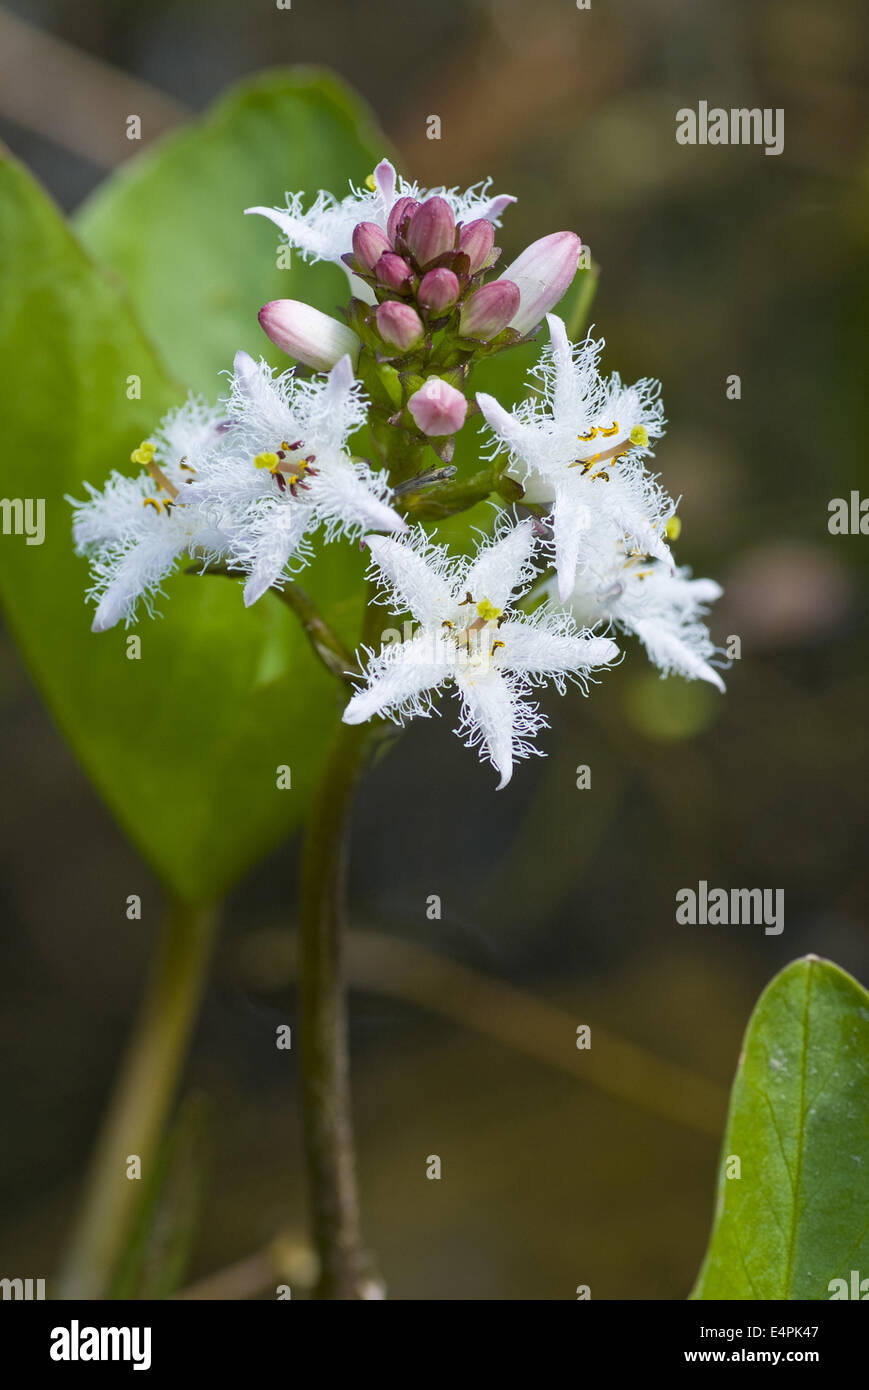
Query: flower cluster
[(584, 550)]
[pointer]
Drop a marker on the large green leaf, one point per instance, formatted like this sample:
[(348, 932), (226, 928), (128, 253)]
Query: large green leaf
[(797, 1216), (172, 221), (183, 743)]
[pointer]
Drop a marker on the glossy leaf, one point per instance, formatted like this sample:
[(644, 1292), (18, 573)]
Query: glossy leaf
[(797, 1215), (184, 742)]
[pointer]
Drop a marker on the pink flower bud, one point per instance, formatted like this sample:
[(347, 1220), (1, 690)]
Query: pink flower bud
[(543, 272), (438, 290), (404, 207), (313, 338), (476, 239), (400, 325), (369, 244), (489, 310), (393, 271), (432, 230), (438, 408)]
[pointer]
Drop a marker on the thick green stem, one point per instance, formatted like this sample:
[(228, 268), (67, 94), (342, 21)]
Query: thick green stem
[(143, 1096), (324, 1052)]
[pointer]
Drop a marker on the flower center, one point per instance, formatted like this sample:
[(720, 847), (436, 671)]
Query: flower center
[(289, 474), (638, 438), (475, 639)]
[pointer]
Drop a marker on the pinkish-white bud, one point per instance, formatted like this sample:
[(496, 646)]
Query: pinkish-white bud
[(543, 273), (369, 244), (432, 231), (438, 290), (304, 333), (489, 310), (438, 408), (477, 239), (401, 211), (399, 325), (393, 271)]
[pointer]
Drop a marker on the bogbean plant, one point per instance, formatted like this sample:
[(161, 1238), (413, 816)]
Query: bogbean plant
[(578, 553)]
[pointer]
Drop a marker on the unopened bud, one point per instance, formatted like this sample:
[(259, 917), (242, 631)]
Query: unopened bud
[(369, 244), (438, 408), (432, 230), (393, 271), (438, 290), (400, 325), (489, 310), (476, 239), (403, 209), (543, 273), (302, 331)]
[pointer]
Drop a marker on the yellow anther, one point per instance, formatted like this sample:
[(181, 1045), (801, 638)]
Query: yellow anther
[(613, 429), (370, 184), (266, 461), (144, 454), (152, 502), (640, 436), (496, 645), (446, 623), (673, 528), (585, 438), (487, 610)]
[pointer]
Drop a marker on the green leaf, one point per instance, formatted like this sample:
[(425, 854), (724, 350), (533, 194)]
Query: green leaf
[(172, 221), (183, 743), (796, 1217)]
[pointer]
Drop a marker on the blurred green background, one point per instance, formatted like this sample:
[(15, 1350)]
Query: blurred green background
[(714, 261)]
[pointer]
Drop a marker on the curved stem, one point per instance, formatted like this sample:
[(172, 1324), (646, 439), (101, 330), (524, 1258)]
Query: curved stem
[(142, 1098), (324, 1053)]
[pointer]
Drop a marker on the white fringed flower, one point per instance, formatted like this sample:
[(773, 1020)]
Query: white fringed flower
[(580, 444), (660, 605), (469, 635), (325, 231), (286, 470), (136, 529)]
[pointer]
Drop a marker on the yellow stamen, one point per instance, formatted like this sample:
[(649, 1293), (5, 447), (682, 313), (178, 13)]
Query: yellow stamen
[(586, 438), (144, 454), (370, 184), (152, 502), (673, 528), (613, 429), (496, 645)]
